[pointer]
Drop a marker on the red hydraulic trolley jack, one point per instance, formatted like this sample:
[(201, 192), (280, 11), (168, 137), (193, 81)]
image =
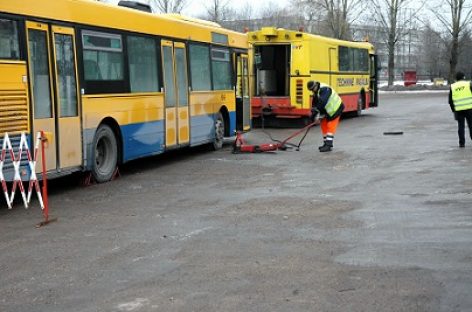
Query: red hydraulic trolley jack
[(240, 145)]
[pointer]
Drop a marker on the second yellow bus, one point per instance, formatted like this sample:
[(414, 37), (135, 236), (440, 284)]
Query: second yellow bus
[(285, 60)]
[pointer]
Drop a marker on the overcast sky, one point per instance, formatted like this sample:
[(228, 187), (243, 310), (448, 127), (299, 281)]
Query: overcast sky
[(197, 7)]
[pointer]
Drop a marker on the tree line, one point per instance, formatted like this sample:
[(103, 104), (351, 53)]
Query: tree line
[(436, 34)]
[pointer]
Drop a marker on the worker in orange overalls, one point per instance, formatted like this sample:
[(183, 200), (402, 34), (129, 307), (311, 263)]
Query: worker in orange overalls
[(327, 104)]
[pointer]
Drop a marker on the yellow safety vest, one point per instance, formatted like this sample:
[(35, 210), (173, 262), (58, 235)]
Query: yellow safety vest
[(334, 102), (461, 95)]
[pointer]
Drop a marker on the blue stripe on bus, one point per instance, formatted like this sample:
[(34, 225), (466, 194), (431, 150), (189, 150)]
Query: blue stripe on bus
[(142, 139), (148, 138), (201, 129), (139, 140)]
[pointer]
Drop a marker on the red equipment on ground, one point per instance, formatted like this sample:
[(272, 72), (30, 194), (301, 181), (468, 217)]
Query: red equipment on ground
[(240, 145)]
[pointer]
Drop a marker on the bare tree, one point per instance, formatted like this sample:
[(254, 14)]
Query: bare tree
[(273, 15), (246, 12), (465, 50), (270, 15), (217, 10), (308, 16), (341, 14), (242, 18), (337, 14), (388, 13), (455, 19), (169, 6), (433, 49)]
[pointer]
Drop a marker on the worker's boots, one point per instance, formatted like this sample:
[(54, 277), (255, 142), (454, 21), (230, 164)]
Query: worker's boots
[(327, 147), (324, 143)]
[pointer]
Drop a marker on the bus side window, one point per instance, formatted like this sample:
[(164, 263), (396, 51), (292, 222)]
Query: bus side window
[(142, 64), (344, 59), (103, 56), (200, 67), (221, 69), (9, 46), (92, 70)]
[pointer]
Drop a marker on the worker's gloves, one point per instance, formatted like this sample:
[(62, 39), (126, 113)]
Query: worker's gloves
[(316, 115), (455, 115)]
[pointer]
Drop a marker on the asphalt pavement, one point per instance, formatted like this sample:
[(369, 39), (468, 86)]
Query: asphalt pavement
[(382, 223)]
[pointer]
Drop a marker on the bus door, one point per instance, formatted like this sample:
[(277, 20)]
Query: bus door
[(55, 101), (54, 96), (176, 94), (69, 130), (374, 94), (243, 104)]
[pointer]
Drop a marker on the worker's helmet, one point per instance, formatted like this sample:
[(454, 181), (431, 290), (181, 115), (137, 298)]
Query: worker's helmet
[(460, 76), (313, 85)]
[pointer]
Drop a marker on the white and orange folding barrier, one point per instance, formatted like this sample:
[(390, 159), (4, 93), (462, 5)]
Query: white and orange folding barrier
[(17, 183)]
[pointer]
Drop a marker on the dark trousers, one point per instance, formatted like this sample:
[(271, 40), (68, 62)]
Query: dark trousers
[(461, 117)]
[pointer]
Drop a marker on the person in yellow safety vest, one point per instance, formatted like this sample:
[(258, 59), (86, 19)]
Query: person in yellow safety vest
[(327, 103), (460, 100)]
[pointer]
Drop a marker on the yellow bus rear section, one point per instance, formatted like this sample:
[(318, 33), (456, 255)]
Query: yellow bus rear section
[(309, 57)]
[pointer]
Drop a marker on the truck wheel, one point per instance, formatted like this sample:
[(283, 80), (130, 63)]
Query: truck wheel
[(105, 154)]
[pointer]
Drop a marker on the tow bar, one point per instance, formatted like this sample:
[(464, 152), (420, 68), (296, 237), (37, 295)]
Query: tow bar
[(241, 146)]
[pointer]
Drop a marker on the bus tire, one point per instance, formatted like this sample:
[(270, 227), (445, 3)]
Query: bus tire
[(104, 154), (219, 132)]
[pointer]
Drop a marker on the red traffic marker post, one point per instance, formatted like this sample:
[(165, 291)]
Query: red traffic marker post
[(47, 220)]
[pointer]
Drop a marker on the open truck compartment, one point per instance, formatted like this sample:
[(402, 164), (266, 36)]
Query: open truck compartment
[(272, 70)]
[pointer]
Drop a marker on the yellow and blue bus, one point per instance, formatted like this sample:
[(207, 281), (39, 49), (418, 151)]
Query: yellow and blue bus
[(285, 60), (110, 84)]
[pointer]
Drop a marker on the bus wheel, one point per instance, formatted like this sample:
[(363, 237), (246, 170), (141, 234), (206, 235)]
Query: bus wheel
[(219, 132), (105, 154)]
